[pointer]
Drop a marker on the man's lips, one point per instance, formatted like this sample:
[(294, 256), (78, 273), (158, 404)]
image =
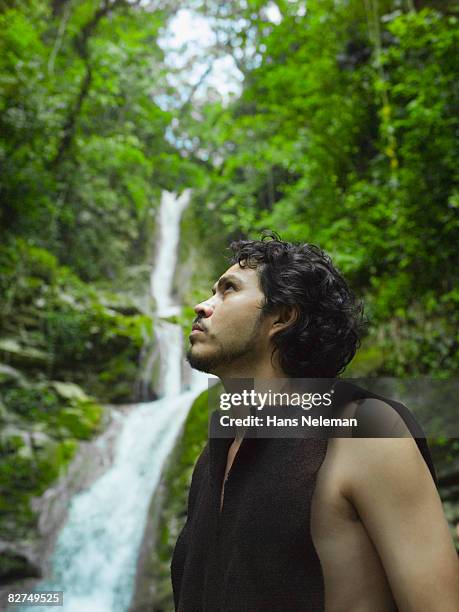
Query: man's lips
[(197, 328)]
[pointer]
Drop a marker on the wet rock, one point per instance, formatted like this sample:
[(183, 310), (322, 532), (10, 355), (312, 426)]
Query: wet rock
[(28, 556), (17, 563), (10, 375), (69, 390), (23, 356)]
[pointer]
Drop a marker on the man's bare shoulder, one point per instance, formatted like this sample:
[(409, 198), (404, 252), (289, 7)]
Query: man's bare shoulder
[(383, 457), (378, 419), (392, 504), (384, 447), (391, 453)]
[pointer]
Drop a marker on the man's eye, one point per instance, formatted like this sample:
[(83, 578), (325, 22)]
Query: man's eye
[(226, 287)]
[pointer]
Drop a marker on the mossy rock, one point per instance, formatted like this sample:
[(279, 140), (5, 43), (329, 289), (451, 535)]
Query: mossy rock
[(54, 323), (15, 566), (81, 419), (69, 390), (26, 472), (46, 422), (22, 356), (116, 383), (64, 344), (11, 376)]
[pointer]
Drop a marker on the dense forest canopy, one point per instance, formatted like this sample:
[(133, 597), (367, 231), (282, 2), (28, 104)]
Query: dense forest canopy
[(344, 134)]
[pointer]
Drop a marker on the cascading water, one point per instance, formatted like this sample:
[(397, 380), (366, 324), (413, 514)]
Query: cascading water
[(95, 557), (168, 335)]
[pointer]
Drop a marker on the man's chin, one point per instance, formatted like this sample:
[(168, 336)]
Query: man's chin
[(203, 364)]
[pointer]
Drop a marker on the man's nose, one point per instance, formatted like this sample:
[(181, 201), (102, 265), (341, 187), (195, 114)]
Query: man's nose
[(205, 309)]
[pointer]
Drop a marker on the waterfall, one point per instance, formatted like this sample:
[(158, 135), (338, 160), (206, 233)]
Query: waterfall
[(94, 561), (166, 255), (168, 335)]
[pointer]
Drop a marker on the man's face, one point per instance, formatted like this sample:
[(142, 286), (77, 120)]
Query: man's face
[(233, 337)]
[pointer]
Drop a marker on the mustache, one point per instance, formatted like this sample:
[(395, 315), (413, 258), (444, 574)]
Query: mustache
[(198, 322)]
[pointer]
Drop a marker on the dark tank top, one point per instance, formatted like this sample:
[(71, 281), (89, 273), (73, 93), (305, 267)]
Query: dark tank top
[(257, 554)]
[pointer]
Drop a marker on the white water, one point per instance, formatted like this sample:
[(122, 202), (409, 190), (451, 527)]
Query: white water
[(166, 257), (95, 557)]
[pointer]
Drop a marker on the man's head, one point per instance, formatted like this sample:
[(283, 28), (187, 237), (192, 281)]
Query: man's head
[(280, 309)]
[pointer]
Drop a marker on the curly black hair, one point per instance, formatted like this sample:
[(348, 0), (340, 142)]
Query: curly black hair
[(327, 332)]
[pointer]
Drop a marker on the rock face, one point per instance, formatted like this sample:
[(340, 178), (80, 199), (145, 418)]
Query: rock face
[(66, 348), (25, 559), (43, 425)]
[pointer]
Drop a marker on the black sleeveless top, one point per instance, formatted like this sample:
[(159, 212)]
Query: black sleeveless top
[(258, 554)]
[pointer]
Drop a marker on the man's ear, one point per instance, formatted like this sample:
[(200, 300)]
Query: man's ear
[(284, 318)]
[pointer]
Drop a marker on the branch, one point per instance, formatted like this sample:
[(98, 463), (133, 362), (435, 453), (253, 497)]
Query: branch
[(194, 88), (80, 43), (59, 38)]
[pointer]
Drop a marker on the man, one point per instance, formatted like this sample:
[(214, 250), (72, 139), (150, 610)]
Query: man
[(340, 525)]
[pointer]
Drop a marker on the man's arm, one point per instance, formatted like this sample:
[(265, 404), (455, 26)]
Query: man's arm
[(392, 490)]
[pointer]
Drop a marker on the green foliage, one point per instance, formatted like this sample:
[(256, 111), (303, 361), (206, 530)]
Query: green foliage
[(84, 158), (83, 148), (55, 324), (345, 135), (39, 437)]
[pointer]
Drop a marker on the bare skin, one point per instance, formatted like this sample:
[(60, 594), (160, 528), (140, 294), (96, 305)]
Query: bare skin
[(377, 520), (353, 574), (354, 577), (232, 452), (367, 517), (352, 550)]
